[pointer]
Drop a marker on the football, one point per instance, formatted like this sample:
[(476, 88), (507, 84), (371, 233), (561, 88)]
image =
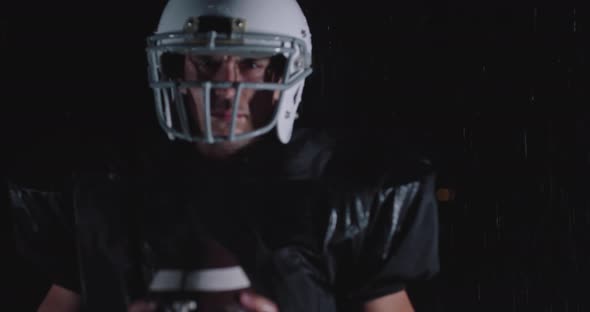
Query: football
[(211, 281)]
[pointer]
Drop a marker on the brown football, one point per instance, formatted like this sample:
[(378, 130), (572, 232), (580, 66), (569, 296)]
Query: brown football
[(212, 282)]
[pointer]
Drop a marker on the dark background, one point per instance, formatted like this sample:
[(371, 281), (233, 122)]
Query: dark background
[(514, 236)]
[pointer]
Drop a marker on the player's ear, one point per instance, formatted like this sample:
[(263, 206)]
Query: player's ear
[(276, 71), (277, 93)]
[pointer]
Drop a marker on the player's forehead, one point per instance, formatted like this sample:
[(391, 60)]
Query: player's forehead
[(227, 55)]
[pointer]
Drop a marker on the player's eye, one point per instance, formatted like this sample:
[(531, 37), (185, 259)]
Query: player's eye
[(206, 65), (252, 64)]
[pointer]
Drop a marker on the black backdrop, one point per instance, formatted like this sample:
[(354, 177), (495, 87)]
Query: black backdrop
[(514, 236)]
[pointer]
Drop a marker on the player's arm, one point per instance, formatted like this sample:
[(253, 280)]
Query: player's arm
[(44, 233), (59, 299), (398, 302), (402, 247), (251, 301)]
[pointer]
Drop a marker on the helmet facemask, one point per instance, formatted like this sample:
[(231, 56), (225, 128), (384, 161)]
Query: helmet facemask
[(227, 86)]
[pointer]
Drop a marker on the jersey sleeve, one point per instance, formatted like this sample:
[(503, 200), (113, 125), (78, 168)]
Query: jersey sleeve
[(44, 233), (399, 243)]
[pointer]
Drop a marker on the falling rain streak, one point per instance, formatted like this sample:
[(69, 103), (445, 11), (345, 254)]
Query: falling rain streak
[(575, 21), (525, 145), (535, 19), (498, 222), (514, 299)]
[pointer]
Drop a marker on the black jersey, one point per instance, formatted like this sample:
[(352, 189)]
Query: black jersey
[(315, 227)]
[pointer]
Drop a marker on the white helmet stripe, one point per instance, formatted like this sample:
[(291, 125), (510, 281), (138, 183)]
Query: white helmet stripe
[(219, 279)]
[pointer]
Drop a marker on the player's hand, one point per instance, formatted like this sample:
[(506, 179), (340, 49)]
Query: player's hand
[(250, 301), (142, 306), (256, 303)]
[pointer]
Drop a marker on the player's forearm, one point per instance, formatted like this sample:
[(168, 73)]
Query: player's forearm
[(398, 302), (59, 299)]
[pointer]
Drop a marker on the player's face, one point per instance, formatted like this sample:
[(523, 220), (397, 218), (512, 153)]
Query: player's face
[(255, 107)]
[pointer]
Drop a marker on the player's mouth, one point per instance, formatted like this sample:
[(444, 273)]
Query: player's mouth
[(227, 116)]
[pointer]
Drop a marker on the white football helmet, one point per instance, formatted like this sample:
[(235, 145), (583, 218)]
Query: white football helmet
[(244, 27)]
